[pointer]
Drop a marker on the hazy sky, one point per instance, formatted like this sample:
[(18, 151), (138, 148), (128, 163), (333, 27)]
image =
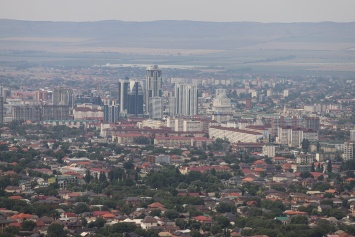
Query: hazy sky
[(200, 10)]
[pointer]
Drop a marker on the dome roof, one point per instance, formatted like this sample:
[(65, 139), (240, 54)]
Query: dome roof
[(221, 96)]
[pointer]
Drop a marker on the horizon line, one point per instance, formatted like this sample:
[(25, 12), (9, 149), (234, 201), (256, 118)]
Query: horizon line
[(201, 21)]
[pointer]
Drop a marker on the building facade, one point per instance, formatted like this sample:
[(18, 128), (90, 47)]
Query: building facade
[(154, 92), (234, 135), (1, 109), (186, 100), (27, 112), (56, 112), (349, 150), (111, 112), (63, 96), (269, 150), (122, 100), (221, 103), (135, 99)]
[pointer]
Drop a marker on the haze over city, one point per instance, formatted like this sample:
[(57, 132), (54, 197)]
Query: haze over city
[(195, 10), (177, 118)]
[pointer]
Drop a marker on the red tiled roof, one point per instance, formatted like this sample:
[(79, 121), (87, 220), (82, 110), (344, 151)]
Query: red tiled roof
[(21, 216), (202, 218), (100, 213), (156, 205), (15, 197), (289, 212)]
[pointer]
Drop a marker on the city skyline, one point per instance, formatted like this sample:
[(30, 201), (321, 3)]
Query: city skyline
[(198, 10)]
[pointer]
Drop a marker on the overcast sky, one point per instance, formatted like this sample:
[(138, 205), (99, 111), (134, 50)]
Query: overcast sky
[(199, 10)]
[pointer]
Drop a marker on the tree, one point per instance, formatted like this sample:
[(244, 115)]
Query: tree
[(128, 165), (56, 230), (123, 227), (99, 223), (142, 140), (305, 175), (171, 214), (81, 208), (319, 169), (87, 176), (225, 207), (299, 220), (155, 212), (222, 220), (216, 229), (329, 166), (181, 223), (28, 225), (305, 145)]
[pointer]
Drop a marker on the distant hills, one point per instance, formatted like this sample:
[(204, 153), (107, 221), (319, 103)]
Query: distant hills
[(180, 34)]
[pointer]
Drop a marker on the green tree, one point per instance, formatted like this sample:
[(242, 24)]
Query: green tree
[(56, 230), (299, 220), (142, 140), (305, 175), (87, 177), (305, 145), (81, 208), (28, 225), (216, 228), (171, 214), (225, 207), (222, 221), (122, 227), (128, 165), (155, 212), (329, 166)]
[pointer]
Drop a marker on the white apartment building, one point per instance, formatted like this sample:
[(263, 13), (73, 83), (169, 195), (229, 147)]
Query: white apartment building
[(151, 123), (304, 159), (349, 150), (293, 137), (269, 150), (192, 126), (88, 111)]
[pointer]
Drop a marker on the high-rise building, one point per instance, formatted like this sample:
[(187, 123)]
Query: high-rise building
[(135, 98), (111, 111), (269, 92), (27, 112), (2, 101), (269, 150), (349, 150), (1, 109), (154, 84), (123, 89), (155, 107), (41, 96), (352, 135), (172, 106), (186, 100), (63, 96), (55, 112), (312, 123)]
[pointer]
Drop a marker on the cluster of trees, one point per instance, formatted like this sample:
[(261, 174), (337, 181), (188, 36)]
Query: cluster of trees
[(117, 230), (170, 177), (32, 208), (297, 227)]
